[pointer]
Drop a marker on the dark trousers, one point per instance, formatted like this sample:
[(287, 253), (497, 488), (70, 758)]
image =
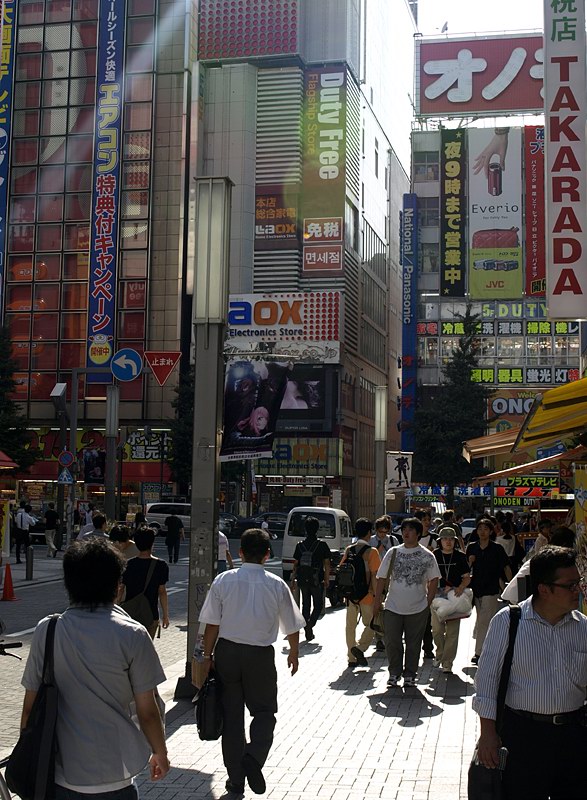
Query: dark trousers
[(22, 541), (248, 676), (427, 641), (560, 775), (172, 547), (400, 626), (314, 596), (128, 793)]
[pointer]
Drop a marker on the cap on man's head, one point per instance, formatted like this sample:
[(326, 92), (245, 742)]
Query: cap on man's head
[(447, 532)]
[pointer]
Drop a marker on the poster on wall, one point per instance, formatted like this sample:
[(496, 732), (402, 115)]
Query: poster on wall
[(535, 241), (399, 471), (253, 393), (453, 203), (495, 213)]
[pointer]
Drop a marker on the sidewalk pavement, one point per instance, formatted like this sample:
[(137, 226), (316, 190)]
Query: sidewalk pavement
[(341, 734), (44, 569)]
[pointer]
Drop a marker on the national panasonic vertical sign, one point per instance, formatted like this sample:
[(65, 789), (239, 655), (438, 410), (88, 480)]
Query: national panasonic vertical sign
[(409, 261), (565, 105)]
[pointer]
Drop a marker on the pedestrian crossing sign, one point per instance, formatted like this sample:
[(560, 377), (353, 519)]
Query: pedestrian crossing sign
[(65, 476)]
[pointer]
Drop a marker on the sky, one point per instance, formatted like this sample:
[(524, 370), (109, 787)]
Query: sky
[(468, 16)]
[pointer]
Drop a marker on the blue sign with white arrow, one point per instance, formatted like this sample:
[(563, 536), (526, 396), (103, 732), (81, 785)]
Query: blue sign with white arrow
[(126, 364)]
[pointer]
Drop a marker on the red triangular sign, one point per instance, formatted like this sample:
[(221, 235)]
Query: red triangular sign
[(162, 363)]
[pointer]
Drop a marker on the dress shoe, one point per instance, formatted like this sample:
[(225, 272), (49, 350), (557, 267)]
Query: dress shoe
[(254, 774), (234, 788), (360, 656)]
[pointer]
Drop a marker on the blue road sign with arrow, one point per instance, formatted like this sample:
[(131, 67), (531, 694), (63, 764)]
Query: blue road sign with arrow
[(126, 364)]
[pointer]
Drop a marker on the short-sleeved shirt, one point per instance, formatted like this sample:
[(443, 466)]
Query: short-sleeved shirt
[(251, 606), (320, 552), (135, 576), (452, 567), (413, 568), (373, 561), (102, 658), (174, 526), (488, 567), (222, 546), (51, 519)]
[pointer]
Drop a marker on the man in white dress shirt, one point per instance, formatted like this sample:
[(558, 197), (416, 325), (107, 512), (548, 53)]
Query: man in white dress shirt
[(547, 686), (244, 611)]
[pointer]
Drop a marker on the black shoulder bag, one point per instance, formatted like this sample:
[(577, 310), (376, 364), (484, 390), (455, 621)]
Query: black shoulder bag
[(485, 783), (209, 709), (30, 771)]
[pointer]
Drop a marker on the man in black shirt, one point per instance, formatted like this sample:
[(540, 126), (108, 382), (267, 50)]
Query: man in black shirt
[(174, 534), (51, 523), (135, 578), (311, 570), (489, 564)]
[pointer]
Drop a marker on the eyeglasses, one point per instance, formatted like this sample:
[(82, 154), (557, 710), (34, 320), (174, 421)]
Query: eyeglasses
[(573, 586)]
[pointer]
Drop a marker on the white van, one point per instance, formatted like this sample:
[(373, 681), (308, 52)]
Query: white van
[(157, 513), (335, 529)]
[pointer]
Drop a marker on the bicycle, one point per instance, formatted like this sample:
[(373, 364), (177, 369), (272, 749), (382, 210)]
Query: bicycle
[(4, 647)]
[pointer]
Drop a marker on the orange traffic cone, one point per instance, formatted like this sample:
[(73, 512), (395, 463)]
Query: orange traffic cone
[(8, 592)]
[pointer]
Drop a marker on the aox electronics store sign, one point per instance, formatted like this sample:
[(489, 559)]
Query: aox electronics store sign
[(291, 316)]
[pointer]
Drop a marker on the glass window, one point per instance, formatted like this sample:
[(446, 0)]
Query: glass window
[(58, 11), (428, 311), (84, 34), (78, 179), (426, 167), (79, 148), (45, 326), (54, 93), (42, 384), (429, 214), (429, 256), (135, 204), (427, 350), (132, 390), (137, 117), (51, 179), (134, 265), (21, 380), (46, 297), (57, 37), (136, 175), (81, 119), (54, 122), (510, 350), (139, 88), (21, 354), (28, 66), (50, 208), (140, 59), (22, 209), (26, 123), (486, 347), (19, 297), (137, 145), (77, 206), (43, 356), (24, 180), (566, 348), (21, 238), (134, 235), (71, 355), (76, 266), (82, 91), (53, 150), (49, 237), (30, 12), (75, 296), (140, 31), (47, 267), (56, 65), (448, 345), (132, 294), (77, 236), (27, 95), (20, 268), (131, 325), (25, 151), (140, 7), (85, 9), (83, 63), (574, 346), (73, 326), (29, 39), (19, 326)]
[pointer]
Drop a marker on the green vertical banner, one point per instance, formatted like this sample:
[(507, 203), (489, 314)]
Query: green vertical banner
[(453, 205)]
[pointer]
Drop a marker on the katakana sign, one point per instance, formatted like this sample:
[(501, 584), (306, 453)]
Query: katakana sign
[(483, 75), (105, 195), (535, 243), (162, 363), (453, 213)]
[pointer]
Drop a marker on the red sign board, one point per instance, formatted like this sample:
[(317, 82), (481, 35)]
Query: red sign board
[(535, 224), (460, 77), (162, 363)]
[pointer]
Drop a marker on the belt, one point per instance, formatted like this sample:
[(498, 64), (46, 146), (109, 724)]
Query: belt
[(567, 718)]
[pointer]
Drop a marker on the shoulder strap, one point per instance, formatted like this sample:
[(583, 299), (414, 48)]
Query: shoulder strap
[(515, 614), (149, 574), (49, 647)]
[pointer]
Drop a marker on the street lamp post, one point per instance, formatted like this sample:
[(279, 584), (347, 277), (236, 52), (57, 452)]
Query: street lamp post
[(380, 447), (211, 224)]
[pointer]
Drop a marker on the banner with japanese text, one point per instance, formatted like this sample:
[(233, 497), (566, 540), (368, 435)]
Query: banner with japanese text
[(8, 28), (535, 241), (495, 213), (106, 188), (453, 214), (409, 265)]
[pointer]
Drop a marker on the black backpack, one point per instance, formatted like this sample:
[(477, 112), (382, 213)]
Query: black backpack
[(351, 577), (308, 573)]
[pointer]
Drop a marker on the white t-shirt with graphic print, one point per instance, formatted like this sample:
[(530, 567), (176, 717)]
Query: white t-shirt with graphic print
[(412, 569)]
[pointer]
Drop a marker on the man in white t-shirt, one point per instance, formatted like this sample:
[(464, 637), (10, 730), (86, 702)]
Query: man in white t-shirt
[(413, 583), (223, 553)]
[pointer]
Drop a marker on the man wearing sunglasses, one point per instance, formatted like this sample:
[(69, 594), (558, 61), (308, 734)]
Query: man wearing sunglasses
[(547, 686)]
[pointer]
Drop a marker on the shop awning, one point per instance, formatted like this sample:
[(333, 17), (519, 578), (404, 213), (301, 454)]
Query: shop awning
[(6, 463), (491, 445), (557, 414), (576, 454)]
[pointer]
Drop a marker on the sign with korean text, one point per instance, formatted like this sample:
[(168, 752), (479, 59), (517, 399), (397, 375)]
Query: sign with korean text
[(409, 316), (276, 219), (323, 259), (453, 214), (106, 187), (162, 363), (8, 28), (565, 111), (287, 316), (535, 242), (495, 213), (483, 75)]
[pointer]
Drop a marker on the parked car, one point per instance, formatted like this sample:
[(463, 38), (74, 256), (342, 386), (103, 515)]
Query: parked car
[(157, 513), (227, 521), (275, 519)]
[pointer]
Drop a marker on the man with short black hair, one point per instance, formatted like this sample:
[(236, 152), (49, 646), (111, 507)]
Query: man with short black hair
[(244, 611), (23, 522), (175, 534), (103, 661), (98, 528), (311, 570), (547, 686), (136, 578), (51, 523)]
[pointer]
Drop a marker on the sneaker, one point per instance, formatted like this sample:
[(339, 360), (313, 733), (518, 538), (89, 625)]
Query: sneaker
[(380, 646), (360, 656), (475, 659), (410, 680), (393, 680)]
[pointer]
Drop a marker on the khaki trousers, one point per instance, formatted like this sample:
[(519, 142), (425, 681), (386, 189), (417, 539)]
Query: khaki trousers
[(446, 640), (486, 607), (352, 619)]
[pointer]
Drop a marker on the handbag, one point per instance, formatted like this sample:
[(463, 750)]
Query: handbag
[(447, 606), (495, 238), (376, 623), (208, 709), (30, 771), (484, 783), (139, 607)]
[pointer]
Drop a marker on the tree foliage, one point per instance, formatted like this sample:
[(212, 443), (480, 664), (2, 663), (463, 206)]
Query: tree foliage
[(15, 437), (455, 412)]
